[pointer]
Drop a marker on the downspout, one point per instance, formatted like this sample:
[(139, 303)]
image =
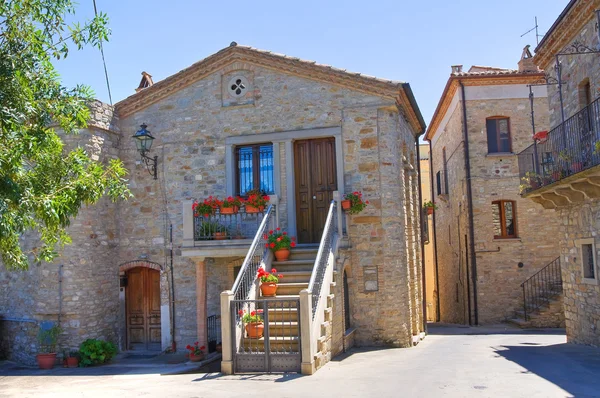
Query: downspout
[(437, 280), (173, 344), (422, 243), (470, 204)]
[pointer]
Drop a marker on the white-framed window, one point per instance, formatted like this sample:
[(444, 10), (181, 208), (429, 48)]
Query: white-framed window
[(588, 259)]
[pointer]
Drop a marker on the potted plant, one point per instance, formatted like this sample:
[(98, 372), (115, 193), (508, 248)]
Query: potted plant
[(353, 202), (214, 230), (230, 205), (73, 359), (256, 201), (429, 206), (47, 339), (254, 323), (530, 181), (280, 243), (196, 352), (269, 280), (206, 208)]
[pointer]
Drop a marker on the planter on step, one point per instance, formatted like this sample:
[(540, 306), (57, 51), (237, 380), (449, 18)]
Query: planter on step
[(220, 235), (196, 358), (268, 289), (254, 209), (255, 330), (229, 210), (46, 361), (282, 254), (72, 362), (346, 204)]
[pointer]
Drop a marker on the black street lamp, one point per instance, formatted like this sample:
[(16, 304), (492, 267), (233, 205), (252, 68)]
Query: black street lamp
[(143, 142)]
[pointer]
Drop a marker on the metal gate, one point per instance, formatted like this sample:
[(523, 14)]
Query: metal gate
[(278, 349)]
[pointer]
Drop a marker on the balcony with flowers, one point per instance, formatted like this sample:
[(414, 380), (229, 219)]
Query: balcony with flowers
[(224, 227), (562, 166)]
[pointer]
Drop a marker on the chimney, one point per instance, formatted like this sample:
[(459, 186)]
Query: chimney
[(526, 63), (456, 68), (145, 82)]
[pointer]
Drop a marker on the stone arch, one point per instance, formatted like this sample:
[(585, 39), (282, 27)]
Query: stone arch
[(139, 263)]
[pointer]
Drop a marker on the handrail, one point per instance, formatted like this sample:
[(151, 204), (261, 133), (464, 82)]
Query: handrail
[(316, 277), (256, 245), (542, 285)]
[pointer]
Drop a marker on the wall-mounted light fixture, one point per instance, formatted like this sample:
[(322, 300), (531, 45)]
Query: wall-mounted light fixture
[(143, 142)]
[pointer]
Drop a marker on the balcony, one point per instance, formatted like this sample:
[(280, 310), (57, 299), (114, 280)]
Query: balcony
[(220, 235), (561, 169)]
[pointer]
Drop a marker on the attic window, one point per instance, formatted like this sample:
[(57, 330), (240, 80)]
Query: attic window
[(238, 86)]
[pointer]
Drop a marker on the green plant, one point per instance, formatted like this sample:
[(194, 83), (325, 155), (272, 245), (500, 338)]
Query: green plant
[(48, 338), (231, 202), (95, 352), (210, 227), (564, 155), (195, 349), (529, 180), (429, 204), (597, 148), (278, 240), (205, 208), (356, 202), (267, 277), (257, 200), (251, 317)]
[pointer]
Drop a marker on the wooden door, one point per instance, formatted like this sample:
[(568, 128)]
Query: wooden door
[(143, 309), (316, 180)]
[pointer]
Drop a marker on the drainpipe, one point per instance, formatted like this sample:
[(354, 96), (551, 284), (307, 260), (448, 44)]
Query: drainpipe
[(173, 344), (424, 283), (470, 204), (437, 280)]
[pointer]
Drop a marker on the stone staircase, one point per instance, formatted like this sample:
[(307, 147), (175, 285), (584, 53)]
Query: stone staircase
[(549, 315)]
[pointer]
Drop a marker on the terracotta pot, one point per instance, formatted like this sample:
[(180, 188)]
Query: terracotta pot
[(220, 235), (268, 289), (346, 204), (254, 209), (430, 210), (255, 330), (72, 362), (46, 361), (196, 358), (229, 210), (282, 254)]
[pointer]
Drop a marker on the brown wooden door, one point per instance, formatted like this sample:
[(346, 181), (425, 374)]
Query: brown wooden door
[(143, 309), (316, 179)]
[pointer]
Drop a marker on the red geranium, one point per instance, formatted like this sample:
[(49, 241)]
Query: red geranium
[(194, 349), (267, 277)]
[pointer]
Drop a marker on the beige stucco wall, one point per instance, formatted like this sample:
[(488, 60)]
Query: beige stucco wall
[(428, 253), (493, 177)]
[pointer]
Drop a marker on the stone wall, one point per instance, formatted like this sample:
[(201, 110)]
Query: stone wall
[(581, 296), (493, 177), (575, 70)]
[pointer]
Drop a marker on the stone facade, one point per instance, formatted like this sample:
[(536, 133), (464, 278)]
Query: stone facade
[(577, 215), (502, 264), (192, 122)]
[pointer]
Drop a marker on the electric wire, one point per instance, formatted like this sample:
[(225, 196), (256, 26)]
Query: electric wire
[(103, 59)]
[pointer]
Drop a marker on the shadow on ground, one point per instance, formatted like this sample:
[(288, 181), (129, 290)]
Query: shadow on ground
[(445, 329), (574, 368)]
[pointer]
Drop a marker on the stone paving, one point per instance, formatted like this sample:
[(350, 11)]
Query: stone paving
[(451, 362)]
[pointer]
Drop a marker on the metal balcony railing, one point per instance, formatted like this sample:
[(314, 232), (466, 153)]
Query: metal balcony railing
[(218, 226), (569, 148)]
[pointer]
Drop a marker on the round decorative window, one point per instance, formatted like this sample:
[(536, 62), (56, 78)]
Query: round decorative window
[(238, 86)]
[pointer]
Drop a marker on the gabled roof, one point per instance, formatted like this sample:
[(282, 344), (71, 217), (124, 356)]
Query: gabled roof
[(491, 77), (399, 91)]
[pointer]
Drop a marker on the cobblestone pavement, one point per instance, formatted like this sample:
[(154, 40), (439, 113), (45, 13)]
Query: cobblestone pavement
[(451, 361)]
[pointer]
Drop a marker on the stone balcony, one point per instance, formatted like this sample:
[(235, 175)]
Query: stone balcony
[(564, 167), (220, 235)]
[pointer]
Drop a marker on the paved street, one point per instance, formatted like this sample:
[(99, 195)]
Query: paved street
[(451, 361)]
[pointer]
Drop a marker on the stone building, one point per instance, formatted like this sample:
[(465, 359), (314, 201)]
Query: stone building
[(431, 295), (561, 170), (488, 239), (242, 118)]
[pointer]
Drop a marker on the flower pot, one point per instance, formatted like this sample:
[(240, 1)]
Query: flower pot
[(46, 361), (255, 330), (72, 362), (196, 358), (282, 254), (220, 235), (268, 289), (346, 204), (229, 210), (254, 209), (430, 210)]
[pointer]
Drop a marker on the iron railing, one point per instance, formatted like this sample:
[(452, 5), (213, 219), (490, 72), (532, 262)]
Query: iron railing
[(246, 278), (218, 226), (541, 287), (569, 148), (325, 248), (213, 326)]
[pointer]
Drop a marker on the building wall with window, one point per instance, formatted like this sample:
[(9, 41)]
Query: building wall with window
[(513, 239)]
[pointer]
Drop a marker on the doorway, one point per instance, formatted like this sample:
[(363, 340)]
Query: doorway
[(143, 309), (316, 180)]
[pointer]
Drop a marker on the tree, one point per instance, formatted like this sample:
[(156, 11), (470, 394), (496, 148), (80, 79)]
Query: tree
[(42, 184)]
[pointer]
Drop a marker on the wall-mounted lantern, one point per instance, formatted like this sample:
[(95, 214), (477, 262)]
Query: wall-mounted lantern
[(143, 142)]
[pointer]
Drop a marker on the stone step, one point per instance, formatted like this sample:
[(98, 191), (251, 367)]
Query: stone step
[(293, 265), (283, 315), (278, 344), (295, 276), (293, 288), (284, 304), (284, 329), (304, 252)]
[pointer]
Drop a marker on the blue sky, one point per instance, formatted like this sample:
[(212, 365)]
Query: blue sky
[(412, 41)]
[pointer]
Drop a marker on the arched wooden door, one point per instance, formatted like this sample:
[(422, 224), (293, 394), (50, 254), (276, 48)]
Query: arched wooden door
[(143, 309)]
